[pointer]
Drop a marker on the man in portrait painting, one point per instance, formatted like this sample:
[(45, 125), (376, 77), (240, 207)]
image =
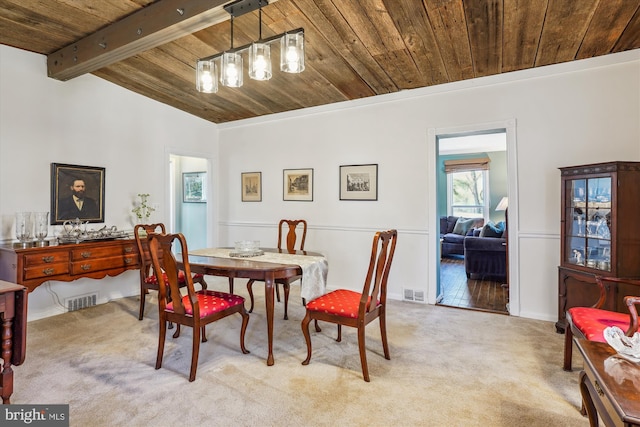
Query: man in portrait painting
[(77, 205)]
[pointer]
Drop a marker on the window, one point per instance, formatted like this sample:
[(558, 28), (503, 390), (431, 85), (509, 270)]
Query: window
[(466, 192), (468, 187)]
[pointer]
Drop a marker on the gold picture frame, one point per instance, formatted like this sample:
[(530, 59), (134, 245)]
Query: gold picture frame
[(251, 186)]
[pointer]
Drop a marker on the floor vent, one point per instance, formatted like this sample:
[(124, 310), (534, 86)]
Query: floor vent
[(81, 301), (411, 295), (408, 295)]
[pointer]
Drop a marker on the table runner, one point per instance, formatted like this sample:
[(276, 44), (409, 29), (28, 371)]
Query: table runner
[(314, 268)]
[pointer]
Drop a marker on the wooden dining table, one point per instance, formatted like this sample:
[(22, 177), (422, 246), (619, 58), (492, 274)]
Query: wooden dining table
[(256, 269)]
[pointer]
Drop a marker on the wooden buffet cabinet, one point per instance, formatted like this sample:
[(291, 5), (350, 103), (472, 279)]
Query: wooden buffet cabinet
[(33, 266), (599, 234)]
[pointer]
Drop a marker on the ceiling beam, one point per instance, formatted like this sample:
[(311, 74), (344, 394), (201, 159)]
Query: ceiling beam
[(152, 26)]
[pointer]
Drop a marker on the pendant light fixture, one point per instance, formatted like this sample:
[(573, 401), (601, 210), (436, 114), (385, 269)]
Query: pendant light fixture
[(230, 62), (260, 56)]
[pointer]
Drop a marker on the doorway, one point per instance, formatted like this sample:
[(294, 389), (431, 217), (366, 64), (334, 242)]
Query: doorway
[(449, 284), (188, 199)]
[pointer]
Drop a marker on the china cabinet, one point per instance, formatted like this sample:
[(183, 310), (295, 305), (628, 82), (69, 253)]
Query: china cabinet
[(599, 234)]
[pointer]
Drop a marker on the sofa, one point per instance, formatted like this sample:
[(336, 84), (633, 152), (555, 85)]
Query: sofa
[(454, 230), (485, 256)]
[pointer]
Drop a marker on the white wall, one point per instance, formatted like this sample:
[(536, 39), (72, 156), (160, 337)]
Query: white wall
[(583, 112), (568, 114), (85, 121)]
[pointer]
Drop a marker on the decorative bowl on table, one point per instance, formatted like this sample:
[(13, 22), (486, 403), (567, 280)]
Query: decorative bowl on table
[(627, 347), (246, 248)]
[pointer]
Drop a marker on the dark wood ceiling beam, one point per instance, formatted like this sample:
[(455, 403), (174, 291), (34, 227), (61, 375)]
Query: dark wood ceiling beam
[(152, 26)]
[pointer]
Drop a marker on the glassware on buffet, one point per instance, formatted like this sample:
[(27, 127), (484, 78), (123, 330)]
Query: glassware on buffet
[(24, 228), (41, 228)]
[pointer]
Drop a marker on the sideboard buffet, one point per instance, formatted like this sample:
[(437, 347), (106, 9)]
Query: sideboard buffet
[(599, 234), (31, 267)]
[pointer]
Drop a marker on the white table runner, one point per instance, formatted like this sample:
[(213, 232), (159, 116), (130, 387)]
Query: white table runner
[(314, 268)]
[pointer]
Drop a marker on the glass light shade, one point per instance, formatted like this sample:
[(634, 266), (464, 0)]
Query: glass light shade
[(231, 73), (292, 53), (260, 61), (207, 77)]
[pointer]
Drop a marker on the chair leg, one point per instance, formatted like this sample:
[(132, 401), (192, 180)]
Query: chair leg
[(250, 290), (383, 334), (568, 348), (307, 337), (204, 334), (195, 350), (243, 329), (363, 353), (203, 284), (161, 337), (231, 285), (143, 294), (286, 300), (277, 292), (176, 334), (339, 339)]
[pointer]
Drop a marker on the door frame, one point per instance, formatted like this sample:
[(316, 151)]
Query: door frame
[(512, 192), (212, 196)]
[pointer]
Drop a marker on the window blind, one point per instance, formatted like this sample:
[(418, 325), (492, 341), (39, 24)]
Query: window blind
[(462, 165)]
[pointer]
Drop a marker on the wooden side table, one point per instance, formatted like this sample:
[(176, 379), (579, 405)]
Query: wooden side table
[(610, 385), (13, 332)]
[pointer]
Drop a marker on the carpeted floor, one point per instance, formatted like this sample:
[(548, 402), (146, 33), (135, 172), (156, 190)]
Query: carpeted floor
[(448, 367)]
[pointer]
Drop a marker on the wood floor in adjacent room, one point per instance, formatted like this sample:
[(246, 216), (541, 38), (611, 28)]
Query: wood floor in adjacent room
[(474, 294)]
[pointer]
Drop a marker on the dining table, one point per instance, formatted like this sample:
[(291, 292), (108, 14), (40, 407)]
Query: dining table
[(270, 265)]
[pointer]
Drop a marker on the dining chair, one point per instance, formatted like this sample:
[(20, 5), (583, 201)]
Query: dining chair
[(148, 278), (196, 308), (358, 309), (290, 241), (590, 322)]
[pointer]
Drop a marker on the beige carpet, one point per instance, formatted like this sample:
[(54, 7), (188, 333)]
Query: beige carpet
[(448, 367)]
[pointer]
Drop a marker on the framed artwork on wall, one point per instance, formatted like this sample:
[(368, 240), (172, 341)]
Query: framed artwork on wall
[(251, 186), (359, 182), (77, 192), (297, 185), (194, 188)]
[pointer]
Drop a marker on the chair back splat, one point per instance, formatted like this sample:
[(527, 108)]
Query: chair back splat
[(196, 309), (350, 308), (291, 233)]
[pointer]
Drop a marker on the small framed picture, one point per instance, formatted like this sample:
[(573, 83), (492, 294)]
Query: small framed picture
[(76, 192), (359, 182), (297, 185), (251, 186), (194, 188)]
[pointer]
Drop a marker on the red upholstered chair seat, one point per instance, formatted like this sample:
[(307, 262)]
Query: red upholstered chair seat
[(592, 321), (341, 302), (153, 279), (210, 302)]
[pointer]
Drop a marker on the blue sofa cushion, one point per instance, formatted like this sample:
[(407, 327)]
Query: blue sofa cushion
[(492, 230), (463, 225)]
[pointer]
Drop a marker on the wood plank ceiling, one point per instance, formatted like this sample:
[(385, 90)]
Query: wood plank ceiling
[(354, 48)]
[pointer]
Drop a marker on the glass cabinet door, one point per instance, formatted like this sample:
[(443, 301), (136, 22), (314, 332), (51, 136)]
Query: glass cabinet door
[(588, 223)]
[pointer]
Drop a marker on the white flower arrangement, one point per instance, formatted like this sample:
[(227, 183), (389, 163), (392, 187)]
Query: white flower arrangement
[(143, 210)]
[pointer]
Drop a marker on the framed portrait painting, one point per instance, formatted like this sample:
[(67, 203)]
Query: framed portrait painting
[(251, 186), (359, 182), (194, 189), (77, 192), (297, 185)]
